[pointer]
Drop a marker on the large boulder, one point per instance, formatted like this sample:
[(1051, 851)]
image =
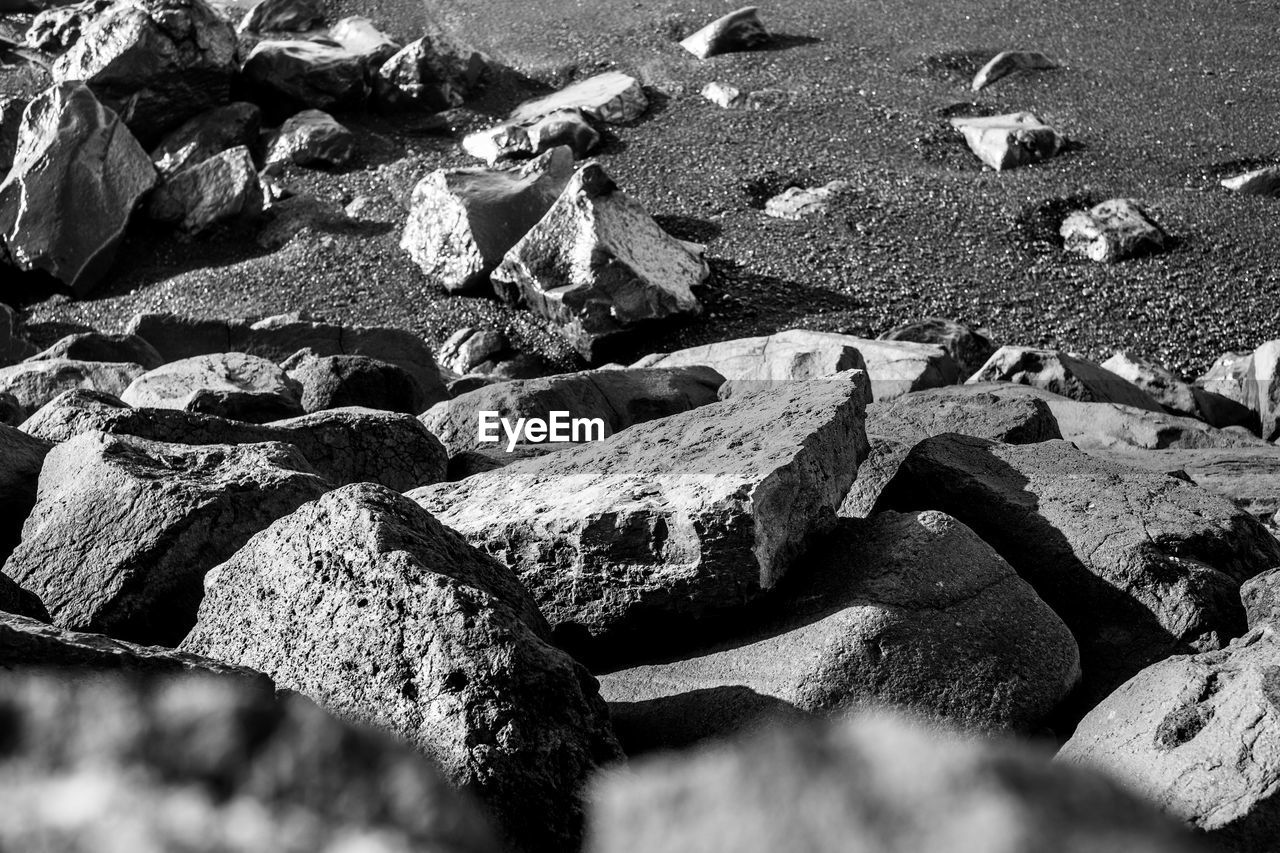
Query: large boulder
[(21, 458), (388, 617), (34, 383), (911, 611), (231, 384), (1009, 141), (124, 529), (1139, 565), (287, 76), (671, 520), (1112, 231), (216, 190), (76, 178), (96, 346), (1199, 736), (335, 381), (155, 62), (207, 135), (1064, 374)]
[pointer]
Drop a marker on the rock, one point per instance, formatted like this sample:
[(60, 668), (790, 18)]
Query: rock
[(1262, 388), (1112, 231), (799, 202), (297, 16), (95, 346), (34, 383), (901, 367), (1261, 597), (1008, 61), (1063, 374), (910, 611), (76, 178), (1139, 565), (11, 411), (599, 266), (471, 350), (724, 96), (207, 135), (517, 140), (124, 529), (1165, 387), (14, 346), (11, 110), (350, 445), (618, 398), (288, 76), (361, 36), (1228, 376), (21, 457), (427, 74), (740, 30), (334, 381), (16, 601), (56, 29), (439, 645), (463, 221), (870, 783), (232, 385), (671, 520), (969, 348), (1196, 736), (204, 763), (1258, 182), (155, 62), (611, 98), (1009, 141), (217, 190), (313, 139)]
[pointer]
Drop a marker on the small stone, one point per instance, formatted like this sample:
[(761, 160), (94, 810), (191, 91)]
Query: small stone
[(799, 202), (217, 190), (231, 385), (724, 96), (207, 135), (1007, 62), (361, 36), (95, 346), (612, 98), (1112, 231), (969, 348), (1258, 182), (740, 30), (296, 16), (288, 76), (468, 349), (1009, 141), (311, 138), (512, 140)]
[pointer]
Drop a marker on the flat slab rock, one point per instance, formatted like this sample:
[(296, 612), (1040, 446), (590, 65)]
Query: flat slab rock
[(233, 385), (1009, 141), (1112, 231), (390, 618), (740, 30), (612, 98), (669, 520), (1007, 62), (34, 383), (1064, 374)]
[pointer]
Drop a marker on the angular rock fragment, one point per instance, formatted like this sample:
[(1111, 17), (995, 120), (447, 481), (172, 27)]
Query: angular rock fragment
[(1261, 597), (438, 643), (969, 348), (612, 98), (14, 346), (799, 202), (57, 29), (334, 381), (11, 110), (21, 457), (219, 189), (427, 74), (463, 221), (740, 30), (232, 385), (1262, 388), (671, 520), (34, 383), (296, 16), (1258, 182), (208, 134), (471, 350), (1008, 61), (1064, 374), (95, 346), (311, 138), (1166, 388), (1112, 231), (361, 36), (77, 176), (288, 76), (1009, 141), (516, 140), (724, 96), (599, 266), (1228, 376)]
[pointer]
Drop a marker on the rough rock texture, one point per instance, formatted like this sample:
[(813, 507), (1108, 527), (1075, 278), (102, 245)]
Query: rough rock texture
[(155, 62), (206, 763), (361, 36), (427, 74), (124, 529), (619, 398), (14, 346), (1261, 597), (599, 266), (517, 140), (1112, 231), (799, 202), (1227, 375), (1139, 565), (463, 221), (672, 519), (288, 76), (77, 175), (297, 16), (1064, 374), (208, 134), (34, 383), (1262, 388), (740, 30), (334, 381), (471, 350), (1199, 736), (612, 98), (56, 29), (1258, 182), (969, 348), (231, 384), (911, 611), (216, 190), (866, 785), (1008, 61), (96, 346), (724, 96), (1179, 397), (1009, 141), (437, 643), (350, 445), (311, 138), (21, 457)]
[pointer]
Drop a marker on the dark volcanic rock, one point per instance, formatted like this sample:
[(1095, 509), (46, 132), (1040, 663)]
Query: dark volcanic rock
[(334, 381), (96, 346), (969, 348), (311, 138), (438, 643), (21, 457), (1064, 374), (429, 75), (34, 383), (124, 529), (232, 385), (740, 30), (286, 76), (208, 134), (219, 189)]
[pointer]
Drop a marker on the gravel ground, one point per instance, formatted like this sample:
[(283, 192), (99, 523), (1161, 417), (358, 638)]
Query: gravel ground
[(1161, 100)]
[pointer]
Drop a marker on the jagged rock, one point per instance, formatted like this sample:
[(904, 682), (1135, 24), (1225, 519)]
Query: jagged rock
[(1228, 375), (969, 348), (618, 398), (1262, 388), (911, 611), (740, 30), (296, 16), (901, 367), (124, 529), (799, 202), (334, 381), (76, 178), (1008, 61), (219, 189), (56, 29), (1196, 735), (612, 98), (1064, 374), (428, 74), (1258, 182), (350, 445), (598, 266), (1165, 387), (14, 346), (471, 350), (361, 36), (208, 134), (288, 76), (1009, 141), (463, 221), (11, 110), (155, 62), (21, 457), (34, 383), (95, 346), (724, 96), (232, 385), (1112, 231), (1139, 565), (669, 520), (439, 644), (515, 140), (1261, 597), (211, 763), (311, 138)]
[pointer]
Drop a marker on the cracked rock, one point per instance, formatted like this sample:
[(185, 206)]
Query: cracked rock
[(231, 384), (517, 140), (740, 30), (1009, 141), (1112, 231)]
